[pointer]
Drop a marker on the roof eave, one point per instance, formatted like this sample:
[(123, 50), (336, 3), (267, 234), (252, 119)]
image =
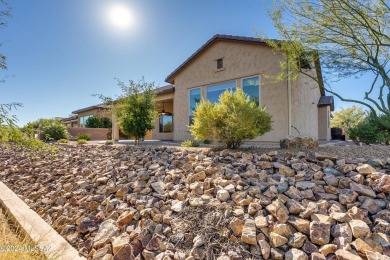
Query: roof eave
[(215, 38)]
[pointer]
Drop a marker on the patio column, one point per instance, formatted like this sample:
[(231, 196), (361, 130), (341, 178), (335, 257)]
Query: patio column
[(115, 128)]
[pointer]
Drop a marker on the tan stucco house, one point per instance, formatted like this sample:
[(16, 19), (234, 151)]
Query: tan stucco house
[(298, 107)]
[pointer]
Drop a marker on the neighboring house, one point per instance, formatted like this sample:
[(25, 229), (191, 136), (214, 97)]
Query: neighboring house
[(71, 121), (83, 114), (298, 107)]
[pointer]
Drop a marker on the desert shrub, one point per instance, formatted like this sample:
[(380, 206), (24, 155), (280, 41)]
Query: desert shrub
[(63, 141), (83, 136), (98, 122), (38, 126), (81, 141), (109, 142), (55, 132), (230, 121), (372, 130), (189, 143), (14, 136)]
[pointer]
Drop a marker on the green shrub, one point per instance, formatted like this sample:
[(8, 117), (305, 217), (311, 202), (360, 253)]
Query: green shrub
[(207, 142), (372, 130), (63, 141), (230, 121), (109, 142), (98, 122), (189, 143), (83, 136), (81, 141), (55, 132), (38, 126)]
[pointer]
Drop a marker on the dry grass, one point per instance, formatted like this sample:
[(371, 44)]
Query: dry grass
[(209, 222), (16, 242)]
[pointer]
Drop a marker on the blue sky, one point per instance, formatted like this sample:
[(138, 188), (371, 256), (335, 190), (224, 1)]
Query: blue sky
[(59, 53)]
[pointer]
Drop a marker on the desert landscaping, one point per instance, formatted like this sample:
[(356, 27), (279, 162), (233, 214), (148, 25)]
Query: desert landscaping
[(155, 202)]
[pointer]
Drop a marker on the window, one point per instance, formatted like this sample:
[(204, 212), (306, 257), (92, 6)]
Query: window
[(213, 92), (83, 120), (250, 86), (166, 123), (219, 64), (195, 96)]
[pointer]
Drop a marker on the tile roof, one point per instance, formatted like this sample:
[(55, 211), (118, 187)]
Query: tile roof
[(326, 101), (164, 90), (158, 91), (101, 106), (217, 37), (71, 118)]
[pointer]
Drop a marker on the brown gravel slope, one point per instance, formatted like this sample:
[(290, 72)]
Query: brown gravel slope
[(169, 203)]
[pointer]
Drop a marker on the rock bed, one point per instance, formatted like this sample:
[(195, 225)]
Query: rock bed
[(168, 203)]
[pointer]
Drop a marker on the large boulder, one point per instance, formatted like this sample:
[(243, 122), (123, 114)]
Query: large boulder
[(305, 142)]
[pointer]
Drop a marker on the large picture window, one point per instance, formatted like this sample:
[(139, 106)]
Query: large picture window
[(213, 92), (166, 123), (83, 120), (252, 89), (195, 96)]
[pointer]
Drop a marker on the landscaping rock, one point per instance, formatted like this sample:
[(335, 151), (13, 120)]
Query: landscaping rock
[(359, 228), (155, 202), (295, 254), (106, 231), (249, 232), (299, 143)]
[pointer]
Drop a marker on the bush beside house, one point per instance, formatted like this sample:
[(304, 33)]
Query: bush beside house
[(98, 122), (372, 130), (231, 120)]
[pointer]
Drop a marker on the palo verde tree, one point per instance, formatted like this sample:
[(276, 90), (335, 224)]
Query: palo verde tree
[(348, 117), (135, 108), (349, 38), (231, 120)]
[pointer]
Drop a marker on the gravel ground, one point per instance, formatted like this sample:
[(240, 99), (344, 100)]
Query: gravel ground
[(342, 150)]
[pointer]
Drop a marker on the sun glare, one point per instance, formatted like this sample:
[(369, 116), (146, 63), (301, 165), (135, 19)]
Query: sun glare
[(120, 16)]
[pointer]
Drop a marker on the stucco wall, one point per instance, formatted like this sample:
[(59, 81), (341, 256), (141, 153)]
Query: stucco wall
[(240, 61), (156, 135), (96, 133), (305, 94), (323, 123)]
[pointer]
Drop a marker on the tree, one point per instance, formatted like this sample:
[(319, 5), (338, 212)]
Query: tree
[(135, 108), (348, 117), (9, 132), (233, 119), (347, 37), (372, 130), (5, 117), (98, 122)]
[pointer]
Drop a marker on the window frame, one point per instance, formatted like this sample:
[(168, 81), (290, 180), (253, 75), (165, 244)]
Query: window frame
[(189, 103), (220, 83), (83, 120), (220, 62), (242, 85), (162, 128)]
